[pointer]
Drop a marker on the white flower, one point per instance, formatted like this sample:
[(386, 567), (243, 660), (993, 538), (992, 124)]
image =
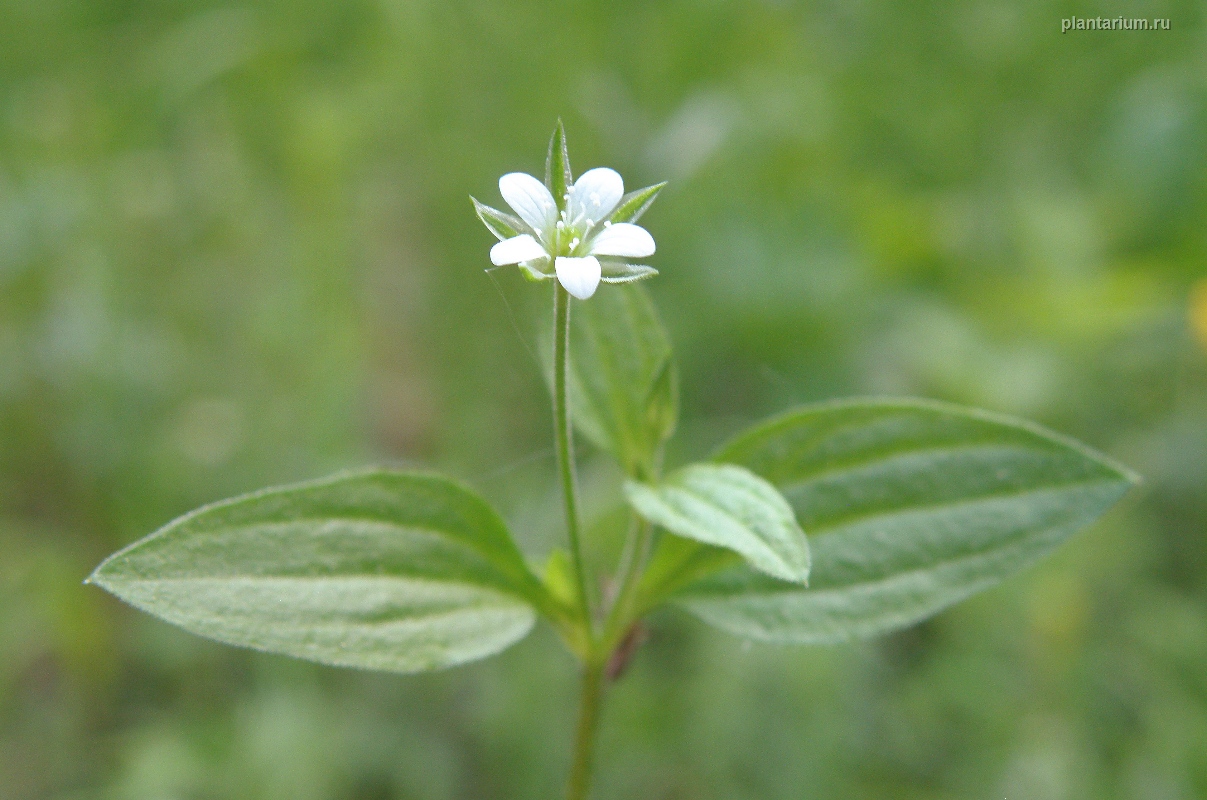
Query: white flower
[(581, 241)]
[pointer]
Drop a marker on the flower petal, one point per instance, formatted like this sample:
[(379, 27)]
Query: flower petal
[(516, 249), (530, 199), (595, 194), (622, 239), (579, 276)]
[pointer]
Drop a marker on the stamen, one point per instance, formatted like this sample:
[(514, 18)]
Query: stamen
[(607, 223)]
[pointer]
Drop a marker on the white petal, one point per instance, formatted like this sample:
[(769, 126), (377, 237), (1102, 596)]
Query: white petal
[(516, 249), (530, 199), (595, 194), (623, 239), (579, 276)]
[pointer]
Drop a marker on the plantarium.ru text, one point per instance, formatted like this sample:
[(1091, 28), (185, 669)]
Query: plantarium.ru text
[(827, 523)]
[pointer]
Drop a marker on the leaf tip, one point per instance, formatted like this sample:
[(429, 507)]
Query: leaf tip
[(1130, 475), (98, 580)]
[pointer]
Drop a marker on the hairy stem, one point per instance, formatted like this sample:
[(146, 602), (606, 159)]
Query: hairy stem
[(579, 784), (562, 435)]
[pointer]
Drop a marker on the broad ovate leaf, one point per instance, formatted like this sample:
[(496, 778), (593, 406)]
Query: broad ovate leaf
[(383, 570), (910, 506), (730, 507)]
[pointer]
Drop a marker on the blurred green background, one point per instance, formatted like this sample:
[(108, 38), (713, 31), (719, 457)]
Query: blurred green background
[(236, 249)]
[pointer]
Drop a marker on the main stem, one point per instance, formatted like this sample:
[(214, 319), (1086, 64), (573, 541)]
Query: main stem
[(565, 445), (584, 740)]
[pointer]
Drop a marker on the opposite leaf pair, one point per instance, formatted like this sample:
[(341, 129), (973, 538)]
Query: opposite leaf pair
[(911, 505)]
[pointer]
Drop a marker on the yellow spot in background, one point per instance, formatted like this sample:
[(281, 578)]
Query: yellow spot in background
[(1198, 312)]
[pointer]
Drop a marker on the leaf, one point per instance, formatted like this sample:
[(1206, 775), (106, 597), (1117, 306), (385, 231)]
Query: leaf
[(382, 570), (623, 385), (910, 506), (559, 577), (558, 178), (679, 562), (634, 204), (731, 507), (662, 401)]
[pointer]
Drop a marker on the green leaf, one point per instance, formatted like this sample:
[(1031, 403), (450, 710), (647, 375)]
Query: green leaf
[(728, 506), (677, 562), (633, 205), (502, 225), (620, 272), (382, 570), (558, 178), (559, 577), (910, 506), (623, 385), (662, 401)]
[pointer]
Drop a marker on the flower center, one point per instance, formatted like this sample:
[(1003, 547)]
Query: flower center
[(570, 233)]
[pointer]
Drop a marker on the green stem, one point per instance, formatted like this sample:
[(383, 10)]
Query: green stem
[(620, 614), (584, 740), (565, 445)]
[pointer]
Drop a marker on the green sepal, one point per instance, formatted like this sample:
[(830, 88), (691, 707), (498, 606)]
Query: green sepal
[(532, 272), (558, 178), (616, 272), (633, 205), (501, 224)]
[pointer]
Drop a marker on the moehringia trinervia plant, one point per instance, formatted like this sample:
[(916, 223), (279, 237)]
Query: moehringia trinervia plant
[(908, 505)]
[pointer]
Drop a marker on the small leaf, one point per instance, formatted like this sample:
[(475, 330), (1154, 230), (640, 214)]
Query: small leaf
[(633, 205), (662, 402), (620, 272), (728, 506), (382, 570), (620, 364), (502, 225), (558, 178), (678, 562), (910, 506), (559, 577)]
